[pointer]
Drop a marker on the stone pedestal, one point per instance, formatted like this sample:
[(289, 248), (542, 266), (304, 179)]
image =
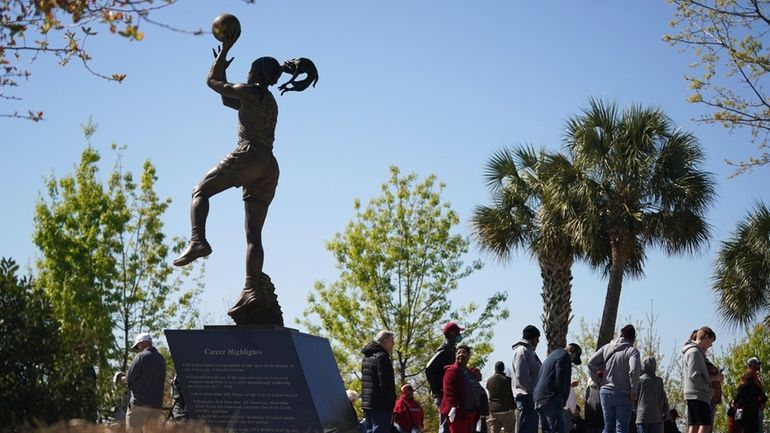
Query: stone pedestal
[(261, 379)]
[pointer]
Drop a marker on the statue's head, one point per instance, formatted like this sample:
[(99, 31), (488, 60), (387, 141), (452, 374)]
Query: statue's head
[(265, 71)]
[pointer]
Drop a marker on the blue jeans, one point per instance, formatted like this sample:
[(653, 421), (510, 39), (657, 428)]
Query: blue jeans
[(616, 407), (553, 413), (377, 420), (526, 421), (648, 427)]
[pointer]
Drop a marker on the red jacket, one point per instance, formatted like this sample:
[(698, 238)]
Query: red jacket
[(454, 390), (407, 414)]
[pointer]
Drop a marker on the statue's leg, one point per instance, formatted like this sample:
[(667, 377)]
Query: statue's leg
[(213, 183), (258, 303), (256, 212)]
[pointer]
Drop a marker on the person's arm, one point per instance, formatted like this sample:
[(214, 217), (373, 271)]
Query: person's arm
[(216, 78), (135, 371), (634, 371), (563, 378), (762, 397), (696, 367), (521, 370), (221, 75), (386, 377), (434, 374), (572, 401), (595, 363), (453, 389), (663, 399)]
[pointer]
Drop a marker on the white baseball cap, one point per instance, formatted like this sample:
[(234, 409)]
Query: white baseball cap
[(144, 336)]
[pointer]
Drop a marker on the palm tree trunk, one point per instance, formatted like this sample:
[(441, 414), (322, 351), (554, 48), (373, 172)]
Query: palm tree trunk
[(556, 272), (612, 299)]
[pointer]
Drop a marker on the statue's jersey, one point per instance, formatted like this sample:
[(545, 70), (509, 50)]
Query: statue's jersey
[(257, 120)]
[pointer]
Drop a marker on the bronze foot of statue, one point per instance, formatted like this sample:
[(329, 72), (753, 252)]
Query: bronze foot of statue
[(194, 250)]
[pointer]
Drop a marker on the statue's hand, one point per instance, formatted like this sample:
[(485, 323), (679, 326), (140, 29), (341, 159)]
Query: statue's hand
[(217, 51), (297, 67)]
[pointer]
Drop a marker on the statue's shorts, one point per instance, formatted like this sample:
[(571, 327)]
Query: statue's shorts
[(255, 169)]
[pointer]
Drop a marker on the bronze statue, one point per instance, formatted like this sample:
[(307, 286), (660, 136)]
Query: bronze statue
[(251, 166)]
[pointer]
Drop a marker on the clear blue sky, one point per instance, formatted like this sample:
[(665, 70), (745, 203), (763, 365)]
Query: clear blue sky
[(433, 87)]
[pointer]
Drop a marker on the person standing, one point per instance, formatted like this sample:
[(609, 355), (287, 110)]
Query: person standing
[(615, 367), (749, 398), (594, 418), (408, 414), (552, 387), (459, 401), (753, 366), (501, 412), (378, 385), (146, 380), (482, 411), (526, 366), (697, 382), (652, 403), (444, 356)]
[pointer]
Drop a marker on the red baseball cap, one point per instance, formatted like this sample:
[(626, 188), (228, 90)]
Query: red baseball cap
[(451, 326)]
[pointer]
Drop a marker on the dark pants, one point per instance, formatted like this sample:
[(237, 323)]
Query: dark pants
[(377, 420), (552, 411), (443, 426), (649, 427), (527, 419)]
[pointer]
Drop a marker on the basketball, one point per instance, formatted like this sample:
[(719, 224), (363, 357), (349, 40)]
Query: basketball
[(225, 25)]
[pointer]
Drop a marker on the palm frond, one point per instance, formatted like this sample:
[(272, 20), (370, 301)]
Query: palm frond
[(741, 278)]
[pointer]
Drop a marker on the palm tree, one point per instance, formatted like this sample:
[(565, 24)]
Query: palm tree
[(742, 270), (634, 181), (519, 219)]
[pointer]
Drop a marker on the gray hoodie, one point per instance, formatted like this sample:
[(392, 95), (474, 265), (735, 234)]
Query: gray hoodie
[(526, 366), (652, 403), (697, 382), (619, 360)]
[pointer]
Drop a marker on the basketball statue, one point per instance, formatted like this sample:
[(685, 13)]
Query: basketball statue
[(251, 166)]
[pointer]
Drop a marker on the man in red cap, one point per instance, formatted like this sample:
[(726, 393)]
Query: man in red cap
[(445, 355)]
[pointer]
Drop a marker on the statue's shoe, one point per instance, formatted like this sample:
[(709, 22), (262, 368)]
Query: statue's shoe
[(245, 295), (256, 307), (195, 250)]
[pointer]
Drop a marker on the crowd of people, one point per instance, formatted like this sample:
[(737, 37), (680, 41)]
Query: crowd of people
[(625, 393)]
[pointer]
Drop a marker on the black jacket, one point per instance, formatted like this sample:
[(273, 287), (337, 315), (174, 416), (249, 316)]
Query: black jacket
[(500, 393), (553, 380), (147, 378), (378, 384), (749, 397), (434, 371)]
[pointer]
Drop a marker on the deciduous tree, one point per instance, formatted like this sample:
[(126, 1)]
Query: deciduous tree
[(105, 262), (399, 264), (61, 28), (729, 41)]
